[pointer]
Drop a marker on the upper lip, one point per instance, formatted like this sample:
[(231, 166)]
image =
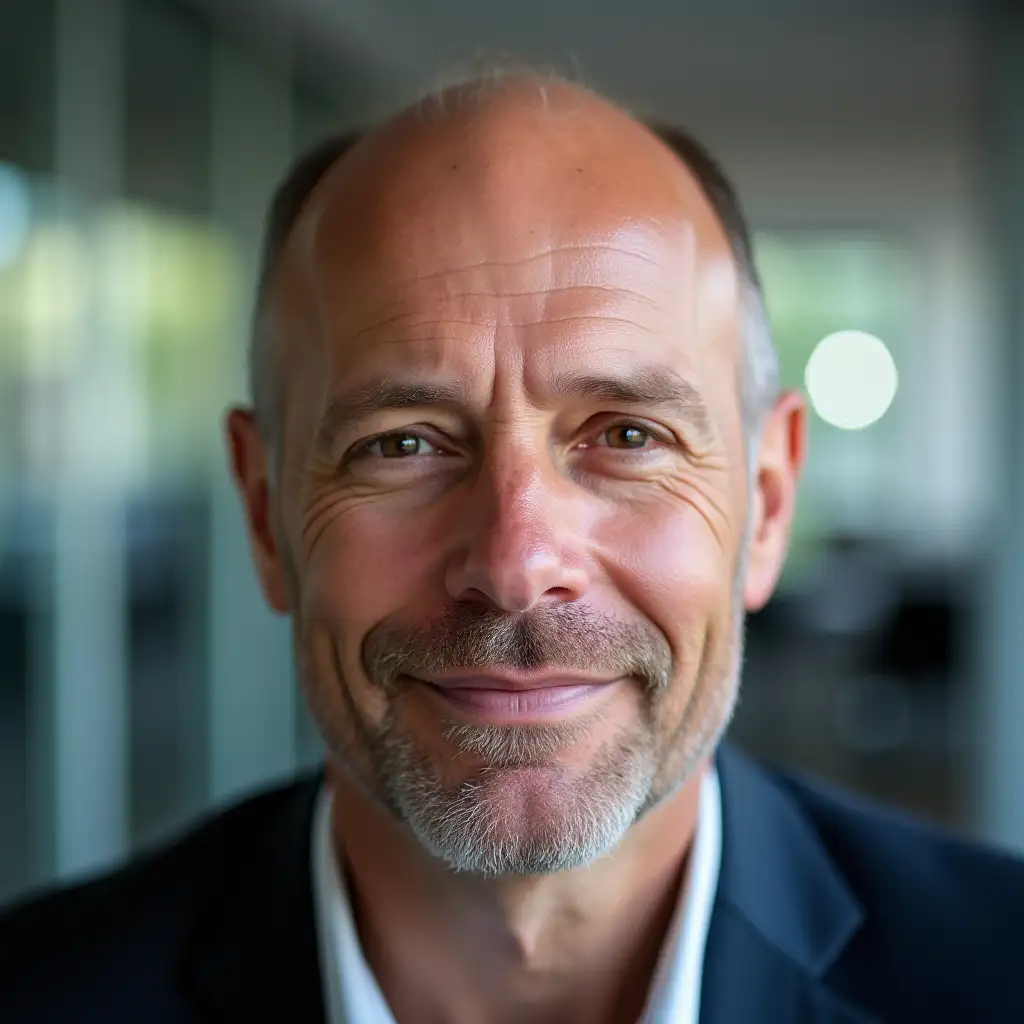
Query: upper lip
[(511, 680)]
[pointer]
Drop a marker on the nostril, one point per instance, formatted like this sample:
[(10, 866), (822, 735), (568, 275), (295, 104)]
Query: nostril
[(476, 595)]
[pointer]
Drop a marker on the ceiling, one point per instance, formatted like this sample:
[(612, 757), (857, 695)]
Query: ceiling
[(638, 48)]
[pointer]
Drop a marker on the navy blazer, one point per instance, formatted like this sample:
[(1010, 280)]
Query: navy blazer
[(827, 912)]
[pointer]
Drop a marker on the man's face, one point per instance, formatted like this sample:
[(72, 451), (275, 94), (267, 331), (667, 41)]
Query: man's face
[(513, 493)]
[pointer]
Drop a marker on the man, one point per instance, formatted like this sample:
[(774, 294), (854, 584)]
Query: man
[(517, 466)]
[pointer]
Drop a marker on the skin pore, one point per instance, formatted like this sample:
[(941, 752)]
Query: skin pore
[(511, 447)]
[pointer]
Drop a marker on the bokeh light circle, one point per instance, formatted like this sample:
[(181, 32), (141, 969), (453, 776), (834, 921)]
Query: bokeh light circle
[(851, 379)]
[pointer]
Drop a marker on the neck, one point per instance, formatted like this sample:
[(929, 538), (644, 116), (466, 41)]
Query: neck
[(576, 945)]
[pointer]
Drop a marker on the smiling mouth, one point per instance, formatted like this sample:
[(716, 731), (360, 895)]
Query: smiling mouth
[(488, 700)]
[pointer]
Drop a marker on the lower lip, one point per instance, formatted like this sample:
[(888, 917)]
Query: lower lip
[(519, 706)]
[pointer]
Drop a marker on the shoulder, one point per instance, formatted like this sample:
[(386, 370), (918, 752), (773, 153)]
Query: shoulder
[(942, 914), (128, 924), (889, 852)]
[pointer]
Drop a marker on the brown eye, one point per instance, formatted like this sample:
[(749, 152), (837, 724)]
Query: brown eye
[(399, 446), (627, 436)]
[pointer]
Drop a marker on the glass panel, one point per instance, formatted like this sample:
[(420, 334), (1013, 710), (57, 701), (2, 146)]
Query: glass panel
[(174, 283), (816, 285), (166, 289), (854, 669), (41, 252)]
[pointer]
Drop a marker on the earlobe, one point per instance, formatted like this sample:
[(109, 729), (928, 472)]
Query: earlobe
[(780, 461), (250, 464)]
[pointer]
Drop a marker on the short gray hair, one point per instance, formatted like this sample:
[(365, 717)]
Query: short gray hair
[(759, 381)]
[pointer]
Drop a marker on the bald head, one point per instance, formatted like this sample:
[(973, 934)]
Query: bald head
[(519, 158)]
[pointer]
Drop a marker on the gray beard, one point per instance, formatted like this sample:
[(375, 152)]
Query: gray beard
[(554, 819), (554, 823)]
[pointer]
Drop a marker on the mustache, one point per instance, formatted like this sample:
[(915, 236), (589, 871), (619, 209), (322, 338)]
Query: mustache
[(472, 637)]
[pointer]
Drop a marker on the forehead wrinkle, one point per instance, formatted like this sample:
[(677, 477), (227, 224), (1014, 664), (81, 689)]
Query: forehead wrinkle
[(589, 288), (496, 322), (562, 265), (595, 249), (540, 292)]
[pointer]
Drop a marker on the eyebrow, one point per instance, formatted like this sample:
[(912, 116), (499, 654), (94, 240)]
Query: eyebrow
[(649, 387), (346, 410), (646, 387)]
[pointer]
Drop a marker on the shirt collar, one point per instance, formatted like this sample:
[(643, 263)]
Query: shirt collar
[(351, 992)]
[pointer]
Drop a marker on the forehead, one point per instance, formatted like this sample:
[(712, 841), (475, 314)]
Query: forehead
[(524, 216), (504, 182)]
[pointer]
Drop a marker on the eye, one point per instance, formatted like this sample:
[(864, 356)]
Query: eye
[(627, 437), (399, 445)]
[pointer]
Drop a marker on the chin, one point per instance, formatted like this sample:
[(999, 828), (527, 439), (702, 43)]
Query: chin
[(530, 817), (525, 822)]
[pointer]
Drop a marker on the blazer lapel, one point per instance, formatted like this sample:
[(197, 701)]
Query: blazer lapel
[(783, 913), (256, 956)]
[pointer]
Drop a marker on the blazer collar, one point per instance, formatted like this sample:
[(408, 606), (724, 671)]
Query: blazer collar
[(783, 912), (256, 956)]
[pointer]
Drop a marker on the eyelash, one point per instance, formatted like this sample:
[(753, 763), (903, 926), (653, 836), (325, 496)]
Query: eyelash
[(659, 439)]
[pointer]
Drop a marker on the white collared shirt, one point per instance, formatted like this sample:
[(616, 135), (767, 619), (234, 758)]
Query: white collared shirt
[(352, 995)]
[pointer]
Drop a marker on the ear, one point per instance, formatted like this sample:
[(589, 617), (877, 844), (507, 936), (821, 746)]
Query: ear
[(250, 468), (780, 459)]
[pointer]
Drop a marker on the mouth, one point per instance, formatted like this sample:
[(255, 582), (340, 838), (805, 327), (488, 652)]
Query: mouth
[(516, 700)]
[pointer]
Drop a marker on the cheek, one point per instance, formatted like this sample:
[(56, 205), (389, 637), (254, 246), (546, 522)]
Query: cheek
[(365, 565), (360, 567), (669, 564), (677, 574)]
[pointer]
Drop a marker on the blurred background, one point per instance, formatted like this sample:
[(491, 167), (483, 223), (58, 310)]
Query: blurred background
[(879, 147)]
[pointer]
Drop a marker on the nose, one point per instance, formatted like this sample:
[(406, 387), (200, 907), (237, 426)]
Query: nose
[(521, 542)]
